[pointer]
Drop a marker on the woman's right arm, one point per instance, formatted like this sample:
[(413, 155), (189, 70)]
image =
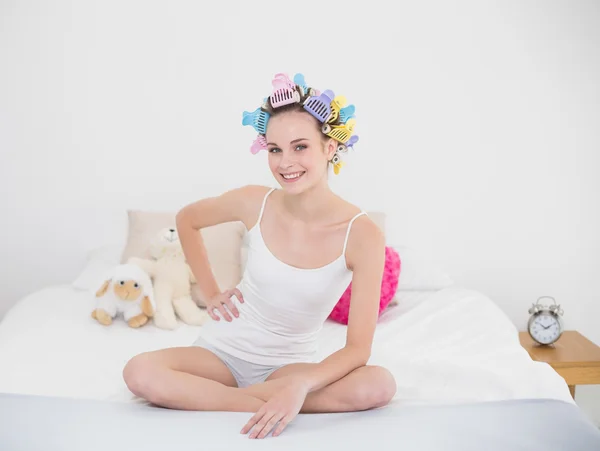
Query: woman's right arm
[(239, 204)]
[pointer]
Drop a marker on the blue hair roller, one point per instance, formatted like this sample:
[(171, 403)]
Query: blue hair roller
[(346, 113), (258, 119), (299, 80)]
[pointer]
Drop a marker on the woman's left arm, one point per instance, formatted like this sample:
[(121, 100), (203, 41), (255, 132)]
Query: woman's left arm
[(365, 256)]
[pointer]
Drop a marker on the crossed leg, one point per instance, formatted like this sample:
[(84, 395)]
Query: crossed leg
[(186, 378), (193, 378), (365, 388)]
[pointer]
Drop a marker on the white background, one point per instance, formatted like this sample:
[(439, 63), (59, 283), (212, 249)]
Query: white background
[(479, 130)]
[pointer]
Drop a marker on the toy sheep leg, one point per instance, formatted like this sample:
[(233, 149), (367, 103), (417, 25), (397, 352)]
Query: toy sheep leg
[(135, 317), (165, 315), (106, 307), (189, 312)]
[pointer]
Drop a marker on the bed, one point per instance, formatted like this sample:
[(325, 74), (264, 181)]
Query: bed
[(464, 382)]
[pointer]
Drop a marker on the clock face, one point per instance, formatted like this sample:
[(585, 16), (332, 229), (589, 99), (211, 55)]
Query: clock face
[(545, 328)]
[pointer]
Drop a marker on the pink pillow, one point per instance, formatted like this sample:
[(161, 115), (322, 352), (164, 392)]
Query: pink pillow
[(389, 284)]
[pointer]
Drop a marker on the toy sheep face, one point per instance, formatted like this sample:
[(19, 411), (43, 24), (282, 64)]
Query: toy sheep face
[(127, 290)]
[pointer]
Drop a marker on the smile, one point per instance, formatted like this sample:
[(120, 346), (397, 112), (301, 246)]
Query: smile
[(293, 176)]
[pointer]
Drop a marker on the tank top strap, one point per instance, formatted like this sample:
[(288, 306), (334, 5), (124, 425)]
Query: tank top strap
[(264, 202), (348, 231)]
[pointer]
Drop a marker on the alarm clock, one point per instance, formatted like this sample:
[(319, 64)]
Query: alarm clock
[(545, 326)]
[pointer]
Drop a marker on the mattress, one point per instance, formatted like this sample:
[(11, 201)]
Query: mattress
[(67, 424), (449, 346)]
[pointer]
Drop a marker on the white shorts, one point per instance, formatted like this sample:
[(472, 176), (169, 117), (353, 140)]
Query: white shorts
[(245, 373)]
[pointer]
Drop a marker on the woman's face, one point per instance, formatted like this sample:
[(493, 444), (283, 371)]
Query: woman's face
[(298, 155)]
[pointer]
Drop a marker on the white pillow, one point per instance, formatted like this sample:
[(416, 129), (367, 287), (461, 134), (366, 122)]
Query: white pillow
[(417, 273), (99, 262)]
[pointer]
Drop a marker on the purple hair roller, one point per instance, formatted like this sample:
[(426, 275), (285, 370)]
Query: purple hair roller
[(320, 106)]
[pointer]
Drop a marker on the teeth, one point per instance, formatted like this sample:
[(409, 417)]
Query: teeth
[(292, 176)]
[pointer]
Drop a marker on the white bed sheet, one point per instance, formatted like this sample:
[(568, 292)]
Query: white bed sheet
[(451, 346)]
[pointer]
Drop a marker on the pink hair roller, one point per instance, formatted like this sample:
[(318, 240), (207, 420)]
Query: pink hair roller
[(284, 91), (259, 144)]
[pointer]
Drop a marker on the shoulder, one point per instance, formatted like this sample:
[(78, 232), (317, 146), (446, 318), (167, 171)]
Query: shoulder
[(250, 193), (238, 204), (366, 243), (247, 190), (248, 200)]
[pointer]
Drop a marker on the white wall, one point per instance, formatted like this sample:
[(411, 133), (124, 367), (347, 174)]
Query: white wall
[(479, 129)]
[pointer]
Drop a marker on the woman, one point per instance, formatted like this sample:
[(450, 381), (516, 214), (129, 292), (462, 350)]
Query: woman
[(306, 244)]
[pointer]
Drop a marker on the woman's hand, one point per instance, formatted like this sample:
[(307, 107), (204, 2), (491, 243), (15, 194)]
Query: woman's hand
[(280, 408), (218, 303)]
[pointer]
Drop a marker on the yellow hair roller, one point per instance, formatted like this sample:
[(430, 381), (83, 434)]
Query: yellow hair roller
[(340, 133), (336, 105)]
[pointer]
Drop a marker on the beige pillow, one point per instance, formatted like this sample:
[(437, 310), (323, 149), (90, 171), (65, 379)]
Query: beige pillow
[(222, 241)]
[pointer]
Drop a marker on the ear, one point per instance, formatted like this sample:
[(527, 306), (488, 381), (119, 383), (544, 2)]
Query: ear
[(330, 148), (147, 307), (102, 291)]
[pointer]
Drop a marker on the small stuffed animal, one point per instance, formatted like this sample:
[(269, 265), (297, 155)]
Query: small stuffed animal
[(173, 280), (128, 291)]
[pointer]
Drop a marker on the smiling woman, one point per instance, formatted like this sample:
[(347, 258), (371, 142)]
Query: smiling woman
[(298, 151), (305, 246)]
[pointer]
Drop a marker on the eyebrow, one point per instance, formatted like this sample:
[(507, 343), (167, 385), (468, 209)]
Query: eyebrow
[(292, 142)]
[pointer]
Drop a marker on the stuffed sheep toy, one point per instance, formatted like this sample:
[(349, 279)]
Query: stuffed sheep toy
[(173, 279), (126, 291)]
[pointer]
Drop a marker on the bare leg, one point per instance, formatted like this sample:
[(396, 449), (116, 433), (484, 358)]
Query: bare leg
[(187, 378), (365, 388)]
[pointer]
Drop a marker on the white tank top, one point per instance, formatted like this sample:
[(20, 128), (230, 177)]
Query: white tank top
[(284, 306)]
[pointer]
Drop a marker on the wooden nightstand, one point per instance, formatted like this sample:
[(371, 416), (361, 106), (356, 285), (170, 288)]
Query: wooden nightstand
[(573, 356)]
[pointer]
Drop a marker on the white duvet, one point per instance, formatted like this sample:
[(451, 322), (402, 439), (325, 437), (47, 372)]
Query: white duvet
[(449, 346)]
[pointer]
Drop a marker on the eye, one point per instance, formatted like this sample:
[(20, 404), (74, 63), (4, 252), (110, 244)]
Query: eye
[(274, 150), (135, 285), (300, 147), (122, 283)]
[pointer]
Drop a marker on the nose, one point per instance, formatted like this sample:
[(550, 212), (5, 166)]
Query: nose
[(286, 161)]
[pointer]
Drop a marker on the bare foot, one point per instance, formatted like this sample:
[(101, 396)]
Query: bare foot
[(102, 317)]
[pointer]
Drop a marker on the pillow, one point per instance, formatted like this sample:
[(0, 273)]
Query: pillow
[(418, 273), (99, 262), (222, 242), (389, 284)]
